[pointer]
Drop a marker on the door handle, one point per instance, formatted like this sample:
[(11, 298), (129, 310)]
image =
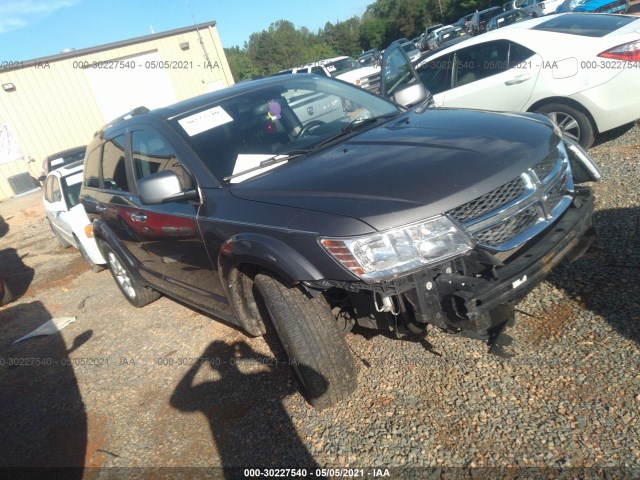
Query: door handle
[(139, 217), (518, 79), (101, 208)]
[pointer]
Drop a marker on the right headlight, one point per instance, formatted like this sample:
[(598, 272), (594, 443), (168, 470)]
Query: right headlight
[(386, 255)]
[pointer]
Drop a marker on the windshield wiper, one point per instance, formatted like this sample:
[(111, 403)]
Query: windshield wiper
[(279, 158), (355, 125)]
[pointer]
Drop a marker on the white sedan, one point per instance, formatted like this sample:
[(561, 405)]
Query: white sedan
[(581, 70), (67, 216)]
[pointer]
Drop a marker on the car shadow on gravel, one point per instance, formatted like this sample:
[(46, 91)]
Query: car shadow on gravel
[(244, 408), (44, 421), (607, 280), (613, 134), (16, 275), (4, 227)]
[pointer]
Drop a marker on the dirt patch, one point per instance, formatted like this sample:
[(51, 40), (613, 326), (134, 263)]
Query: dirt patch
[(550, 324)]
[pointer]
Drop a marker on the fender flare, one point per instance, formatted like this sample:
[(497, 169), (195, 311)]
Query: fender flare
[(259, 251), (268, 252)]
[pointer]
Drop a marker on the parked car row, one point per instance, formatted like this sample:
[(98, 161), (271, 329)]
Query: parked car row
[(343, 67), (514, 11), (571, 67)]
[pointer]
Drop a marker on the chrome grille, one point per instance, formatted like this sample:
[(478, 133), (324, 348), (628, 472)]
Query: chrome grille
[(556, 192), (544, 167), (490, 201), (508, 216), (510, 228)]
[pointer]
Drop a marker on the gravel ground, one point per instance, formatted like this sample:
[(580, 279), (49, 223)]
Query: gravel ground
[(120, 387)]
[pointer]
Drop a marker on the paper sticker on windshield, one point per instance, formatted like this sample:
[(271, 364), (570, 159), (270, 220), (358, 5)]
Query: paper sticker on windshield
[(205, 120), (57, 161)]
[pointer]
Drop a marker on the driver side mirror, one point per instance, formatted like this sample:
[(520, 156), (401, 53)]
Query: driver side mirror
[(399, 81), (163, 187)]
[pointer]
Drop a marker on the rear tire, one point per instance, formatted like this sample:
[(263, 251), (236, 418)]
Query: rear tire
[(573, 122), (137, 294), (317, 352)]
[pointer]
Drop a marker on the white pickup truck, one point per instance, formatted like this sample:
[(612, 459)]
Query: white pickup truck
[(344, 68)]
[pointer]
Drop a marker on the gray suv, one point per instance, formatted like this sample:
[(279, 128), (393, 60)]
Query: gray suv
[(385, 217)]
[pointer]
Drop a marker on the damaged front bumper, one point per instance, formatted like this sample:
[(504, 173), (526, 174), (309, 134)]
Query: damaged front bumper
[(468, 300), (469, 293)]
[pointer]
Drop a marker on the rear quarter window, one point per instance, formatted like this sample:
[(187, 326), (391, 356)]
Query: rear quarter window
[(92, 168), (587, 25)]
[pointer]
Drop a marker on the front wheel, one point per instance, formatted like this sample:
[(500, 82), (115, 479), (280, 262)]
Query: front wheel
[(137, 294), (317, 352), (573, 122)]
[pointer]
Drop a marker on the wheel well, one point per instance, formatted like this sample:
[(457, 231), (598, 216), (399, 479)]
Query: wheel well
[(565, 101), (241, 295), (241, 298)]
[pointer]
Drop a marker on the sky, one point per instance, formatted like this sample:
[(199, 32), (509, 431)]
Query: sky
[(38, 28)]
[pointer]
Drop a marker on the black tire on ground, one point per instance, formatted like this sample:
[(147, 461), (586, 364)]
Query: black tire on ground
[(137, 295), (573, 122), (83, 252), (61, 241), (317, 352)]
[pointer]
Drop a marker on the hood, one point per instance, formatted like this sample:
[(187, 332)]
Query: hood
[(412, 168), (353, 75)]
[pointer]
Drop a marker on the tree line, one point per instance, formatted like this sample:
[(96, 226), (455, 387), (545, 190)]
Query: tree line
[(283, 46)]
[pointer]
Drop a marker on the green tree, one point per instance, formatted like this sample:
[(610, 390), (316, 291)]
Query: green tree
[(240, 63), (279, 47), (343, 37)]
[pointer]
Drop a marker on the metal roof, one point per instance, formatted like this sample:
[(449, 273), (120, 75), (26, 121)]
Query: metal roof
[(107, 46)]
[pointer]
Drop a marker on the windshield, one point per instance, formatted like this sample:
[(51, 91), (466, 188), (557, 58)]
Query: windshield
[(71, 188), (587, 25), (64, 159), (293, 116)]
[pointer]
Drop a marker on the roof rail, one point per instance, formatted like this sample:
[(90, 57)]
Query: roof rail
[(136, 111)]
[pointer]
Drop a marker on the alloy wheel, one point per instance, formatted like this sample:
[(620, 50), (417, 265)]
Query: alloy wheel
[(121, 275), (569, 125)]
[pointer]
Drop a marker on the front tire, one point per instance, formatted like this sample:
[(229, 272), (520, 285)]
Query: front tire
[(308, 332), (574, 123), (137, 294)]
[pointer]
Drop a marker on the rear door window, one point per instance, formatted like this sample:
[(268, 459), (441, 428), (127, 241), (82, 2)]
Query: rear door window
[(487, 59), (436, 74), (56, 193), (114, 174)]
